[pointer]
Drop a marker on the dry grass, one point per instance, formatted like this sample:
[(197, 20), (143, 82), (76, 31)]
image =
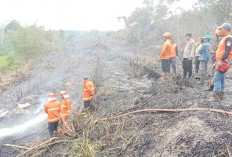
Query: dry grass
[(8, 80), (141, 63), (106, 90), (78, 124), (83, 147)]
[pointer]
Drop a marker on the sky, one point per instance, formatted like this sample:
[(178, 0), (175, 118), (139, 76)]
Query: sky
[(83, 15)]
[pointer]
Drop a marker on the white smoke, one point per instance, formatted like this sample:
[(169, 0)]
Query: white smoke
[(22, 127)]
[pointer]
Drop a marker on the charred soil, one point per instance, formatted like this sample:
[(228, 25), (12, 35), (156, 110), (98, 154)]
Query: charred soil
[(125, 81)]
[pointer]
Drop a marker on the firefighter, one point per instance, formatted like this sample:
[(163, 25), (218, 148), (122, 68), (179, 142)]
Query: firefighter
[(53, 109), (88, 95), (173, 54), (165, 55), (65, 110)]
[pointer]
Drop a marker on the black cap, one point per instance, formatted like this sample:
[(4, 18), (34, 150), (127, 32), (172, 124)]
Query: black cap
[(226, 26), (188, 35)]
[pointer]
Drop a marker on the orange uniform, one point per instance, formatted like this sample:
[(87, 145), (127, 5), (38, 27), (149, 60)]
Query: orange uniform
[(66, 107), (166, 50), (173, 51), (88, 90), (53, 109), (221, 49)]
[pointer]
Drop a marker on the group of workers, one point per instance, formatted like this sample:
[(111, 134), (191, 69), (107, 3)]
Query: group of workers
[(202, 53), (59, 112)]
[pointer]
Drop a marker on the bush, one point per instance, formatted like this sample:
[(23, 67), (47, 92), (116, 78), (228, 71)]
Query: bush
[(83, 147), (3, 61)]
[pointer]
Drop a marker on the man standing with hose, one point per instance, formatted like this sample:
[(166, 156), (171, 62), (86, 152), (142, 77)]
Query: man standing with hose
[(53, 109), (65, 110)]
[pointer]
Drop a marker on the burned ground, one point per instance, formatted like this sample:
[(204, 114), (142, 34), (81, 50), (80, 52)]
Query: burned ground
[(125, 81)]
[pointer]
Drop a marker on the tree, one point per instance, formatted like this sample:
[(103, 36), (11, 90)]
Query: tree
[(221, 9), (13, 26)]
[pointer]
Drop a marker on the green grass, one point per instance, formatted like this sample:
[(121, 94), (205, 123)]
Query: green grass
[(3, 61)]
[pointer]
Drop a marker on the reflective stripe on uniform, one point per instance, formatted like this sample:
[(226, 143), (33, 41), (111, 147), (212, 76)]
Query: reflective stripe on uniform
[(58, 118), (68, 110), (85, 89), (52, 109), (92, 92), (88, 98), (63, 106)]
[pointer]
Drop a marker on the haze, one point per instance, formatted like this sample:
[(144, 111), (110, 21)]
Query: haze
[(72, 14)]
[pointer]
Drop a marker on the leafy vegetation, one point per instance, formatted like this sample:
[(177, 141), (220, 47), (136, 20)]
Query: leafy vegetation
[(25, 44), (146, 24), (3, 61)]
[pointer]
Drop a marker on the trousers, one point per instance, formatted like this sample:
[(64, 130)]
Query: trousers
[(52, 127), (187, 67)]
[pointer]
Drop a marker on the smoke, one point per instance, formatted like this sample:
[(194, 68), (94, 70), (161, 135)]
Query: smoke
[(22, 127), (41, 106), (32, 122)]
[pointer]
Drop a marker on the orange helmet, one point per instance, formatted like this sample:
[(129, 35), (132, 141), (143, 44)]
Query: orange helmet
[(51, 95), (167, 35), (218, 32), (63, 93)]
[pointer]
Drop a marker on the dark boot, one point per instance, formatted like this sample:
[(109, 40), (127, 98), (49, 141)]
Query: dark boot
[(197, 78), (216, 97), (210, 88), (221, 95), (202, 79)]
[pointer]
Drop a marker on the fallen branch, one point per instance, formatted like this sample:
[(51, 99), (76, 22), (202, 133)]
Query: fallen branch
[(87, 123), (31, 149), (11, 145), (228, 151), (92, 117), (56, 142), (168, 110), (70, 135)]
